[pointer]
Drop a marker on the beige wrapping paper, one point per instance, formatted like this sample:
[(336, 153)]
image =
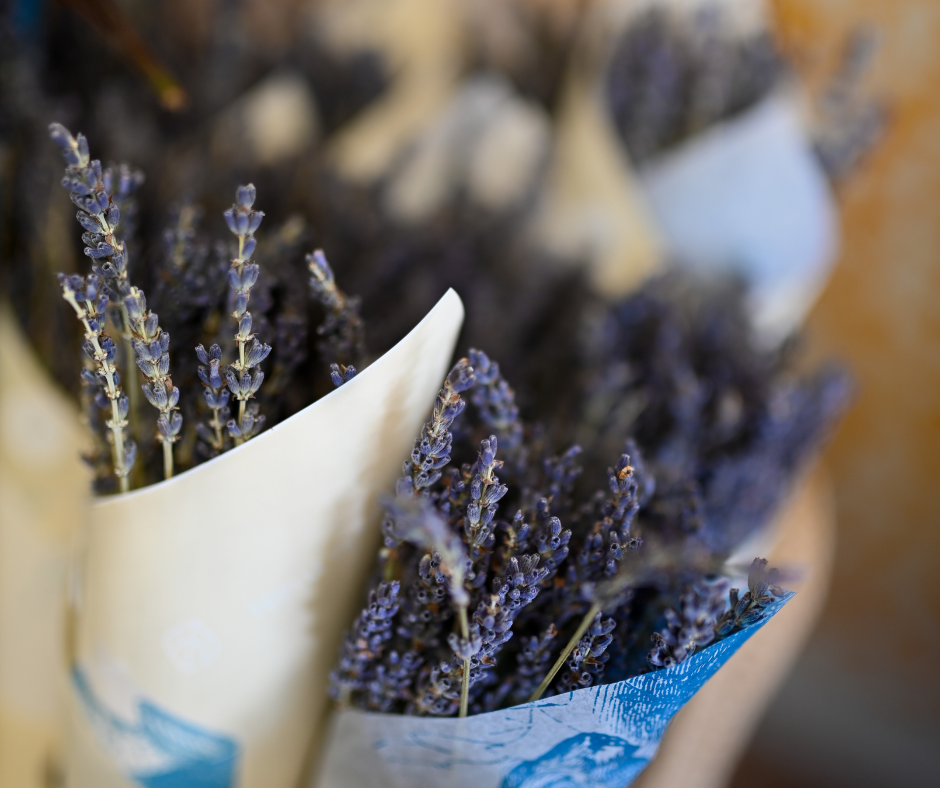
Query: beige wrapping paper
[(207, 609), (592, 207), (42, 486)]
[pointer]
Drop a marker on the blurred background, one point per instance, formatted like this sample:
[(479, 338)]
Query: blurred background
[(460, 144), (862, 706)]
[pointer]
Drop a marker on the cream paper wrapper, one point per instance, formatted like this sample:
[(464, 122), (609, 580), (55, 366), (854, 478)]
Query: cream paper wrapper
[(749, 196), (592, 207), (207, 610), (42, 485)]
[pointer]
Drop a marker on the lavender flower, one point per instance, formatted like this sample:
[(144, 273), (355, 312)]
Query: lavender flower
[(89, 301), (533, 663), (340, 374), (91, 190), (363, 647), (484, 493), (425, 611), (438, 691), (495, 402), (342, 331), (690, 627), (587, 660), (390, 685), (99, 195), (497, 611), (763, 591), (241, 381), (151, 346), (433, 447), (415, 521), (217, 396)]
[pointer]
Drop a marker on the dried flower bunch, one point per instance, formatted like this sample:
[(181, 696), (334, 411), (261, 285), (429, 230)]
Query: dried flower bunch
[(674, 75), (671, 77), (488, 569), (102, 196)]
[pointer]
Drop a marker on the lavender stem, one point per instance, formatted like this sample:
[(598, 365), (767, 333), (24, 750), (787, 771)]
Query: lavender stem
[(575, 638)]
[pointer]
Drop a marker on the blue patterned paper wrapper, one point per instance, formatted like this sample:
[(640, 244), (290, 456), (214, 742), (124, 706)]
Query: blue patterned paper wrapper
[(600, 736)]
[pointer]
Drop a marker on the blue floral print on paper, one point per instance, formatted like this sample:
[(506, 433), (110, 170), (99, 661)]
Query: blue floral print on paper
[(158, 749), (599, 736)]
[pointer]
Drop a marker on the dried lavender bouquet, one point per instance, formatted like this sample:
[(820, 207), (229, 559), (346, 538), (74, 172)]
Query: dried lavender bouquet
[(206, 647), (103, 196), (509, 580), (473, 610), (519, 576)]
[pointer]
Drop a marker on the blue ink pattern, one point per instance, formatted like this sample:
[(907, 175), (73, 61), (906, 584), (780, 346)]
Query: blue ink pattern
[(158, 749)]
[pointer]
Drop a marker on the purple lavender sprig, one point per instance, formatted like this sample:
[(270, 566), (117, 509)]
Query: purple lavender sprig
[(497, 611), (239, 377), (495, 402), (586, 663), (213, 432), (414, 520), (99, 195), (763, 589), (340, 374), (533, 663), (363, 646), (690, 626), (90, 302), (433, 446), (151, 347), (342, 337), (484, 493)]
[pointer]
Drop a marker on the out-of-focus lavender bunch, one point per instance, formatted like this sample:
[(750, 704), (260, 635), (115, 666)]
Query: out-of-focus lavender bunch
[(672, 76), (848, 120), (485, 565), (675, 74), (104, 196)]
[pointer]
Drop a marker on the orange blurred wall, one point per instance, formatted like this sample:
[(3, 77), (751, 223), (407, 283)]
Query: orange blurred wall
[(863, 708)]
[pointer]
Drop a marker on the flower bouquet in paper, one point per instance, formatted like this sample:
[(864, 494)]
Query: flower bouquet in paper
[(546, 594)]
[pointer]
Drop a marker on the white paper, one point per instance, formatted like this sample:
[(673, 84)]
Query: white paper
[(209, 608), (748, 196)]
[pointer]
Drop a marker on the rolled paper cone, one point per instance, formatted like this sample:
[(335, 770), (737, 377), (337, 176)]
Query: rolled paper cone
[(43, 484), (592, 208), (749, 196), (208, 609), (603, 735)]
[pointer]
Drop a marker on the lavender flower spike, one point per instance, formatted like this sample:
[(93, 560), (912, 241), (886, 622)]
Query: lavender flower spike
[(340, 374), (91, 190), (241, 381), (88, 300), (342, 332), (363, 647), (217, 397), (432, 448), (586, 663), (416, 521), (151, 345)]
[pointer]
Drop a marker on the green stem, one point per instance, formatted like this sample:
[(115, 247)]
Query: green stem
[(579, 633), (167, 460), (132, 383)]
